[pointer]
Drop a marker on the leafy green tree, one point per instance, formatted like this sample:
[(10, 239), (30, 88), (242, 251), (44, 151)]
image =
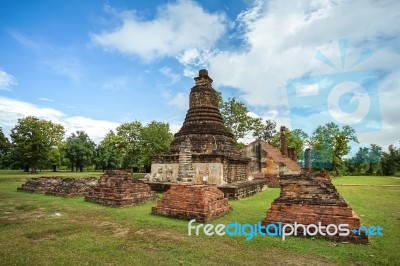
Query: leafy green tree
[(5, 149), (79, 150), (109, 153), (129, 135), (295, 139), (330, 144), (265, 131), (374, 157), (359, 162), (236, 117), (155, 138), (390, 161), (33, 138), (55, 158)]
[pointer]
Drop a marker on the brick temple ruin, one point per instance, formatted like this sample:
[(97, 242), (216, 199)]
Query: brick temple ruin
[(120, 189), (309, 199), (268, 162), (204, 150), (202, 157), (59, 186)]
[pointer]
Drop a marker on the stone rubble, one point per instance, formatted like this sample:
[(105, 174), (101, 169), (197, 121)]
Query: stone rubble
[(40, 184), (73, 187)]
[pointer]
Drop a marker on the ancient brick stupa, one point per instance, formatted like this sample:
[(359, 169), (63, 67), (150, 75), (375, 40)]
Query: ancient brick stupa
[(202, 155), (312, 199), (120, 189), (203, 151)]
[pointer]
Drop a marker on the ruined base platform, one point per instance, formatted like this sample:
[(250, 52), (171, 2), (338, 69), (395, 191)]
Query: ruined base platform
[(311, 199), (243, 189), (186, 201), (73, 187), (120, 189), (271, 179), (40, 184), (159, 186)]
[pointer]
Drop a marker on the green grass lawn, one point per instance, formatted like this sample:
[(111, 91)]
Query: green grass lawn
[(45, 230)]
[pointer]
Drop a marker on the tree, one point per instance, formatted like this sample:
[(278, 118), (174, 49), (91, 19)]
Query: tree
[(55, 158), (109, 154), (5, 149), (155, 138), (374, 157), (265, 131), (390, 161), (33, 138), (295, 139), (236, 117), (330, 144), (359, 162), (128, 136), (79, 150)]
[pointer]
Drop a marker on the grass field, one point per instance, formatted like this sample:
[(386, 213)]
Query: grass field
[(44, 230)]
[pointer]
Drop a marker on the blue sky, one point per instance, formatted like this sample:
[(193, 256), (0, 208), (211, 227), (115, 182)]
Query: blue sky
[(91, 65)]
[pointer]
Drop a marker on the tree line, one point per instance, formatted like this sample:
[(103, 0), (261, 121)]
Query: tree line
[(37, 144), (40, 144)]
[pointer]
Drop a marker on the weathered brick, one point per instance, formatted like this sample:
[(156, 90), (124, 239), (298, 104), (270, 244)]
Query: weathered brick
[(186, 201), (310, 199), (120, 189)]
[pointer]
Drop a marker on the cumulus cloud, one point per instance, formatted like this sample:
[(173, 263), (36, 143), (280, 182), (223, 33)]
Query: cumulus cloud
[(174, 77), (179, 100), (7, 81), (281, 43), (11, 110), (176, 27)]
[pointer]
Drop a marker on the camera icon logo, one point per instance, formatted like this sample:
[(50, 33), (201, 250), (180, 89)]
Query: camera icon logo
[(346, 98)]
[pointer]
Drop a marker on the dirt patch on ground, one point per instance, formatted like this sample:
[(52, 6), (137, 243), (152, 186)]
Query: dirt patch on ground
[(103, 226)]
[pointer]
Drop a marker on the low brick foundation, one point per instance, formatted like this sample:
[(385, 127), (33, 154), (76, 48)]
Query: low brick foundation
[(73, 187), (243, 189), (40, 184), (159, 186), (311, 199), (120, 189), (271, 179), (186, 201)]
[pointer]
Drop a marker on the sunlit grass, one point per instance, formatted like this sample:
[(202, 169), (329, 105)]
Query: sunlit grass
[(41, 230)]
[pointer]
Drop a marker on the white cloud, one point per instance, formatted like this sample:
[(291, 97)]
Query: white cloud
[(176, 27), (45, 99), (7, 81), (281, 42), (166, 71), (180, 100), (11, 110)]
